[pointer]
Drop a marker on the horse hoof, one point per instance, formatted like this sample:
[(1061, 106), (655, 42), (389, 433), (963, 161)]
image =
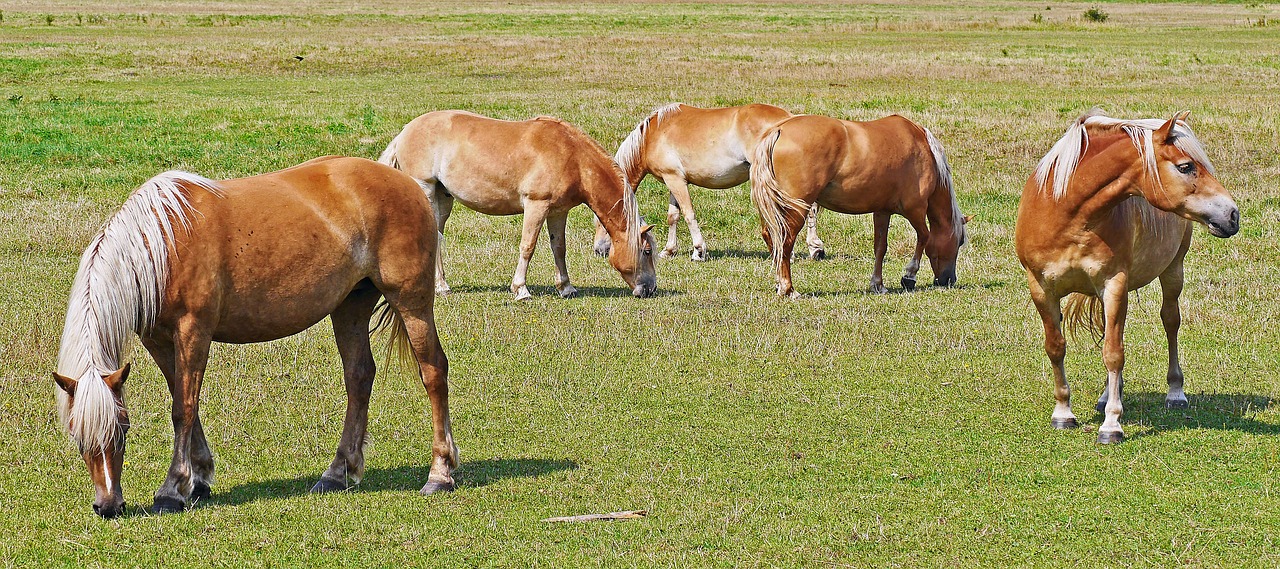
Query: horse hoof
[(1176, 403), (908, 284), (1110, 437), (1068, 423), (817, 255), (443, 291), (432, 487), (523, 294), (698, 255), (666, 254), (328, 485), (167, 505), (879, 289), (200, 492), (568, 292)]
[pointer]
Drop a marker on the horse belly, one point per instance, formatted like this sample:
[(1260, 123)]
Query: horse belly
[(726, 175)]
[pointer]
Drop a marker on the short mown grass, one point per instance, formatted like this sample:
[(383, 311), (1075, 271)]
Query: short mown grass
[(840, 429)]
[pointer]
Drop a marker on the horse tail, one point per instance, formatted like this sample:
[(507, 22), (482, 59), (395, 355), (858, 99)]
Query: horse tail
[(391, 156), (1084, 311), (631, 151), (771, 202), (388, 319)]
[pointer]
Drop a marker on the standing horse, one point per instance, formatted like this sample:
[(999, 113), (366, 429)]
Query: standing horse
[(712, 148), (1106, 213), (886, 166), (541, 167), (188, 261)]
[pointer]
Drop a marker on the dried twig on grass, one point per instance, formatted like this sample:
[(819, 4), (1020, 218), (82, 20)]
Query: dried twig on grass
[(629, 515)]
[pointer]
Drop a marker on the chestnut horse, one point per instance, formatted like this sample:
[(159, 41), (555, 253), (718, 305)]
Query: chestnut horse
[(886, 166), (712, 148), (541, 167), (189, 261), (1107, 212)]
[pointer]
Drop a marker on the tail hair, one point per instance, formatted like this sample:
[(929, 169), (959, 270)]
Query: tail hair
[(389, 320), (1084, 311), (391, 156), (773, 205)]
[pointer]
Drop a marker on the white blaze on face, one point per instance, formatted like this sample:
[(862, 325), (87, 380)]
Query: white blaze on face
[(106, 471)]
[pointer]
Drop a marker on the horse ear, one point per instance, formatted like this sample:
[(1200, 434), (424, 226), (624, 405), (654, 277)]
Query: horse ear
[(646, 228), (1167, 133), (65, 383), (116, 380), (968, 218)]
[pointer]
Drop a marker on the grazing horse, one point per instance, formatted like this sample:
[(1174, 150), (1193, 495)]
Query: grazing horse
[(712, 148), (886, 166), (1107, 212), (188, 261), (541, 167)]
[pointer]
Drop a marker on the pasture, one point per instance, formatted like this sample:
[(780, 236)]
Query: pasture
[(839, 429)]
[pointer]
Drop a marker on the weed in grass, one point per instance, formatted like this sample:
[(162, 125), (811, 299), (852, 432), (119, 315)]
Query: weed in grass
[(1096, 14)]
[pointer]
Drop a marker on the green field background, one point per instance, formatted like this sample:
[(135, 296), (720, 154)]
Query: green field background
[(842, 429)]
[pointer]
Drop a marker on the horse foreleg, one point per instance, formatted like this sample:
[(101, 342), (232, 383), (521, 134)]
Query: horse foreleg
[(602, 242), (555, 233), (442, 204), (922, 238), (162, 351), (681, 203), (534, 214), (1115, 305), (880, 224), (1055, 346), (191, 354), (1171, 315), (351, 333), (817, 249)]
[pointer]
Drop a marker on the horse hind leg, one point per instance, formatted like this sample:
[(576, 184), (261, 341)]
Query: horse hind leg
[(351, 333), (433, 366), (817, 249), (1171, 316), (442, 204)]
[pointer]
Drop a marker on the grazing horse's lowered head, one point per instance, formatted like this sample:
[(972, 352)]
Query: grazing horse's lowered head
[(635, 262), (95, 414)]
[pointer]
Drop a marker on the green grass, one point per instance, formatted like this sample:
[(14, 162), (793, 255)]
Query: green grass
[(841, 429)]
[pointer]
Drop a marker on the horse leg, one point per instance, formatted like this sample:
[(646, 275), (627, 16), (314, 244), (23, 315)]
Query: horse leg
[(921, 228), (162, 351), (817, 249), (1115, 305), (680, 197), (673, 217), (433, 366), (880, 222), (191, 354), (1055, 346), (534, 214), (555, 233), (351, 333), (603, 242), (794, 223), (442, 205), (1171, 316)]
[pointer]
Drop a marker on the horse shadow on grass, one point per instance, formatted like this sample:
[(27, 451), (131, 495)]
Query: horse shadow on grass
[(539, 291), (1210, 411), (408, 479)]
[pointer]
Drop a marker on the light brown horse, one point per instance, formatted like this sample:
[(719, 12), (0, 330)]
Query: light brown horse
[(712, 148), (541, 167), (1106, 213), (886, 166), (188, 261)]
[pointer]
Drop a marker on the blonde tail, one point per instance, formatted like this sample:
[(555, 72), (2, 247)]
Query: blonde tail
[(1083, 311), (391, 156), (770, 201), (398, 347)]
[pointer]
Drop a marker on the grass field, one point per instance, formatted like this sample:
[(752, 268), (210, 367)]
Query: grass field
[(840, 429)]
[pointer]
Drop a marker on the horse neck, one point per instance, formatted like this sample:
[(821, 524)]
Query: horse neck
[(606, 200), (941, 211), (1102, 182)]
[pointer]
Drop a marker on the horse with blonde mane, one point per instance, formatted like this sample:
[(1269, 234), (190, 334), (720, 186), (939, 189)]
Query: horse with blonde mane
[(1108, 210), (188, 261), (883, 167), (681, 145), (542, 168)]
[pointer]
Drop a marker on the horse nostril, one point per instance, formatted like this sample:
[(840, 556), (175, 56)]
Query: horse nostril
[(97, 509)]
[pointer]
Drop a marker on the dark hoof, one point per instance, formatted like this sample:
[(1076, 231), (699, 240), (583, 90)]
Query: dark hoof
[(328, 485), (1110, 437), (433, 487), (1176, 404), (817, 255), (167, 505), (1064, 423), (908, 284), (200, 493)]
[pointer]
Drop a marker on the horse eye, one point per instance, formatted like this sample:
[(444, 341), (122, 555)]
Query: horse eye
[(1187, 167)]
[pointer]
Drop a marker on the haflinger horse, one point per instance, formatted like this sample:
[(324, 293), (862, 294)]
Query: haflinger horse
[(188, 261), (1108, 210), (541, 167), (886, 166), (681, 145)]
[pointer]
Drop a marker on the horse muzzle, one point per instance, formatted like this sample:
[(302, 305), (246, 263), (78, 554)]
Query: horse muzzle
[(1225, 226), (110, 508), (645, 290), (947, 278)]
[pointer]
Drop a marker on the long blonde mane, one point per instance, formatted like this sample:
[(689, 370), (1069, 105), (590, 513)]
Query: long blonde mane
[(1064, 157), (630, 151), (117, 293), (943, 170)]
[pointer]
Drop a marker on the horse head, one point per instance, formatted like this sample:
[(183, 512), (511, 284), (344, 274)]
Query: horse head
[(943, 250), (1183, 182), (635, 264), (98, 421)]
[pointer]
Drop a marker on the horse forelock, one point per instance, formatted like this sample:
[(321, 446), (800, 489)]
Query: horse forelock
[(1063, 159), (116, 293)]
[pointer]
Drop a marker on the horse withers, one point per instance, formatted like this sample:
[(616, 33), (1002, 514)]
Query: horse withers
[(188, 261), (883, 167), (1108, 210), (542, 168)]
